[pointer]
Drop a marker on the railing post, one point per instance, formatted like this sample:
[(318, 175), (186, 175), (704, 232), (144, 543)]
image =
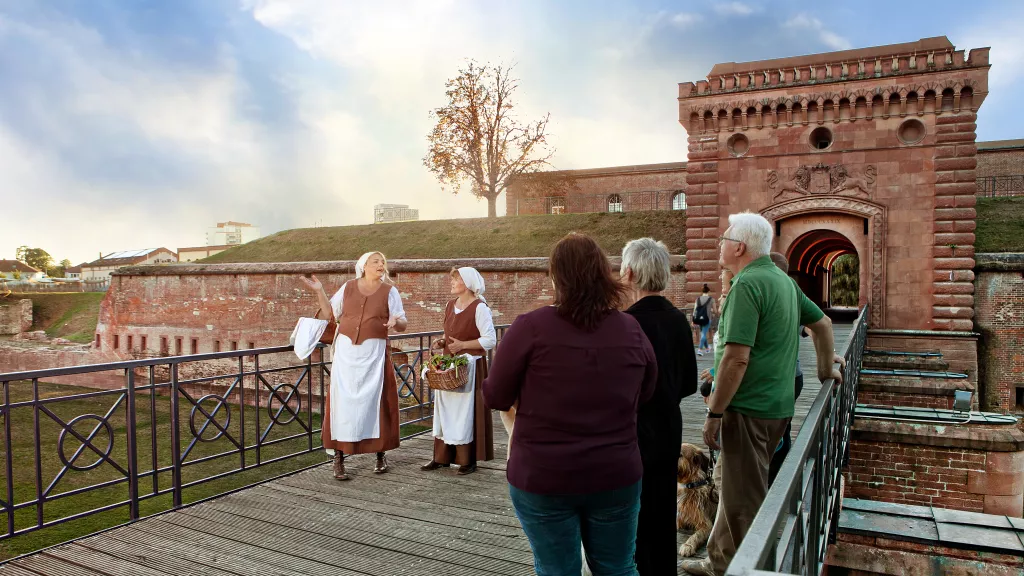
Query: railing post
[(39, 456), (8, 458), (241, 410), (309, 397), (256, 400), (152, 430), (175, 439), (133, 455)]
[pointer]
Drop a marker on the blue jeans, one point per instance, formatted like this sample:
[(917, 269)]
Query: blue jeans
[(605, 522), (704, 336)]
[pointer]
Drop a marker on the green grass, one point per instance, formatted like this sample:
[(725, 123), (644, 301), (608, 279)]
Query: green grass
[(150, 424), (70, 315), (1000, 225), (507, 237)]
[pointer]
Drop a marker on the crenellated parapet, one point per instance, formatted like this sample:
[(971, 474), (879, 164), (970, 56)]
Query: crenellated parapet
[(925, 77)]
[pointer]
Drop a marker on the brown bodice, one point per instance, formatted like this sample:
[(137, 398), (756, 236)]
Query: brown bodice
[(364, 317)]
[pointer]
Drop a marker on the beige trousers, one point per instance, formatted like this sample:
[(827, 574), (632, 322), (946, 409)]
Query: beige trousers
[(741, 475)]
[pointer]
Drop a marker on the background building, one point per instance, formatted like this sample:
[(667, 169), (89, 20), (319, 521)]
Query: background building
[(101, 269), (25, 272), (383, 213), (200, 252), (231, 234)]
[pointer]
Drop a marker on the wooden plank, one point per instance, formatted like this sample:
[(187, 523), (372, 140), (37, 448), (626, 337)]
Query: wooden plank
[(411, 504), (404, 528), (12, 570), (396, 510), (396, 544), (359, 552), (43, 563), (110, 565), (214, 551), (156, 556)]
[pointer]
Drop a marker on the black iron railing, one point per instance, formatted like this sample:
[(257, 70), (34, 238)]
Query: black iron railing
[(616, 202), (798, 518), (165, 425), (992, 186)]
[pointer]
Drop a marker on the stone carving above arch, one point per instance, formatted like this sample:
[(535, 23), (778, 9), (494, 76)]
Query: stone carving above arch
[(821, 179), (875, 213)]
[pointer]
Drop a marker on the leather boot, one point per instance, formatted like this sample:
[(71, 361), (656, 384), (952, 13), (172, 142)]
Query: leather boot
[(432, 465), (339, 466)]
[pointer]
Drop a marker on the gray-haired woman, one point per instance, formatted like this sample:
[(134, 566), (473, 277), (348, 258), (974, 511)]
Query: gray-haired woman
[(646, 270)]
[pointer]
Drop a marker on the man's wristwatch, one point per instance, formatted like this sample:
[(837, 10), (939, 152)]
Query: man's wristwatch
[(714, 414)]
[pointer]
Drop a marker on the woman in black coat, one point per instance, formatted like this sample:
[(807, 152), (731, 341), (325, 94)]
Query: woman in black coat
[(646, 269)]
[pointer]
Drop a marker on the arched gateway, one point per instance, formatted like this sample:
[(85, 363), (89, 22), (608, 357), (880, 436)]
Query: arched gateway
[(868, 152)]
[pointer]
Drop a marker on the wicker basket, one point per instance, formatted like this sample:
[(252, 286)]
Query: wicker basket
[(447, 380)]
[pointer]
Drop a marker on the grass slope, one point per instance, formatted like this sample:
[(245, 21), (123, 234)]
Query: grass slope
[(71, 315), (1000, 225), (515, 236)]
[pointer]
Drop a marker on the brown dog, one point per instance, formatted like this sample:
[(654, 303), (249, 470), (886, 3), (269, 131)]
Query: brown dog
[(696, 497)]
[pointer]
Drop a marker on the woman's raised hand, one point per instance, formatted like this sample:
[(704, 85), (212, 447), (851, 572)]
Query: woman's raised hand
[(312, 282)]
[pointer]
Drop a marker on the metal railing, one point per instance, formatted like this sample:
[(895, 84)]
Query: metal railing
[(175, 423), (798, 518), (995, 186), (616, 202)]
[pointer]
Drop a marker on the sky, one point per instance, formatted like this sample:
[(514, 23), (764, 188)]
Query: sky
[(141, 123)]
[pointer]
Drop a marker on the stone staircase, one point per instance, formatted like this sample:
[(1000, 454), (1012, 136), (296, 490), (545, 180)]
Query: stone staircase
[(910, 379)]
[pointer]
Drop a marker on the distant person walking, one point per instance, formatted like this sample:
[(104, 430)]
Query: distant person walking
[(752, 400), (704, 310), (645, 269), (579, 369), (361, 410)]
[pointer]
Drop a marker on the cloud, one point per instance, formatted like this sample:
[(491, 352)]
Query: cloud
[(735, 9), (685, 19), (827, 37)]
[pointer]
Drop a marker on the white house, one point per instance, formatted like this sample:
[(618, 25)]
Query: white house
[(11, 268)]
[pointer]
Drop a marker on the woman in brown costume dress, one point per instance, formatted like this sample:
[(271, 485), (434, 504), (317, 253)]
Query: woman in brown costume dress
[(361, 410), (463, 430)]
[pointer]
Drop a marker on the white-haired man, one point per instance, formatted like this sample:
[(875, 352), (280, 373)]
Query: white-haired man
[(753, 398)]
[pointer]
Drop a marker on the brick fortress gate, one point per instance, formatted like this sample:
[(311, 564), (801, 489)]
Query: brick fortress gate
[(868, 151)]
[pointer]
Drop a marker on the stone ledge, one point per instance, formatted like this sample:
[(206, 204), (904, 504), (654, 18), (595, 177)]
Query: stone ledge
[(988, 439), (921, 333), (348, 267), (989, 262), (913, 385)]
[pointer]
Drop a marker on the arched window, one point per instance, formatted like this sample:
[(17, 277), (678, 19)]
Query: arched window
[(615, 203), (679, 201)]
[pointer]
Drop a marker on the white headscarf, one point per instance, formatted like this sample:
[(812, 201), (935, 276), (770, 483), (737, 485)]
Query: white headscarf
[(473, 281), (361, 264)]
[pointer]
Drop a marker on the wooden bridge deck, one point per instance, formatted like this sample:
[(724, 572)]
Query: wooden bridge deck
[(406, 522)]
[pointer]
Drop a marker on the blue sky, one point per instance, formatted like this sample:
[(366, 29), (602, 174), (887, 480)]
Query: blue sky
[(138, 123)]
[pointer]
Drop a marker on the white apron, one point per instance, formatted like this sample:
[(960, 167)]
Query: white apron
[(454, 410), (357, 382)]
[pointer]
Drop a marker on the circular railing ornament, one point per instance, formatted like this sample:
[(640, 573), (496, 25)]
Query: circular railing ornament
[(89, 441)]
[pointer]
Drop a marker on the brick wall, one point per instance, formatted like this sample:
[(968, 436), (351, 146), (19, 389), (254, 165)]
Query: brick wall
[(999, 318), (1000, 162), (974, 468), (644, 187), (239, 304), (15, 316)]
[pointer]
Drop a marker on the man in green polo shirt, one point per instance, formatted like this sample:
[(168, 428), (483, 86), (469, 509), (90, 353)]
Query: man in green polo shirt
[(753, 397)]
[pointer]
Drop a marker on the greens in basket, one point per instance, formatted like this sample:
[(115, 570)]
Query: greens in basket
[(445, 362)]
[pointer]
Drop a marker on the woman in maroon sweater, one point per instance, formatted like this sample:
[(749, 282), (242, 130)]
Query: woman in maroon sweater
[(579, 369)]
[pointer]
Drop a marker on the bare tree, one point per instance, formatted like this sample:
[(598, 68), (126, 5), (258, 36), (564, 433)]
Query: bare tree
[(477, 139)]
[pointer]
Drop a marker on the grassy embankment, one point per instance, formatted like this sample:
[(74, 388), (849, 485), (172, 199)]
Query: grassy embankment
[(508, 237)]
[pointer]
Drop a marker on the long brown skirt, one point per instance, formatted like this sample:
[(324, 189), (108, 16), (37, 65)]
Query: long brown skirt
[(388, 421), (482, 446)]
